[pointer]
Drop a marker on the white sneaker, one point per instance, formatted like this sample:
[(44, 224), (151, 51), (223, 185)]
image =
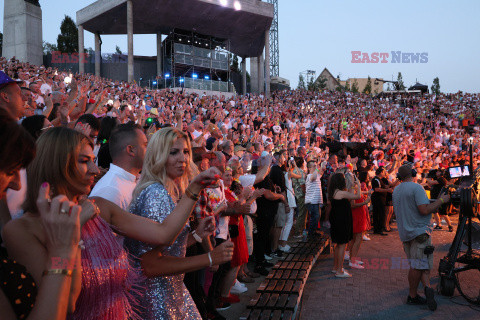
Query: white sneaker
[(267, 257), (355, 266), (345, 274), (285, 249), (238, 283), (347, 255), (366, 238), (236, 289)]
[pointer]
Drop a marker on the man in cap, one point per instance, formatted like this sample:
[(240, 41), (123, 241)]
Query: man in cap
[(414, 221), (11, 98)]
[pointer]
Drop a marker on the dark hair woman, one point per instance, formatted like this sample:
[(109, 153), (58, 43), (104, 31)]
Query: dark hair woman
[(341, 218), (63, 230)]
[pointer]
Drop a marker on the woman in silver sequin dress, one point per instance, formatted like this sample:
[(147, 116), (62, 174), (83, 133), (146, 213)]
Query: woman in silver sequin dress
[(166, 171)]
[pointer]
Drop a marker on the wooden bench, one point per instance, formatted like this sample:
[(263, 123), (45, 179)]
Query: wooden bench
[(279, 295)]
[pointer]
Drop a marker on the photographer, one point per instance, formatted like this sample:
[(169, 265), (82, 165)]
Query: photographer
[(413, 211)]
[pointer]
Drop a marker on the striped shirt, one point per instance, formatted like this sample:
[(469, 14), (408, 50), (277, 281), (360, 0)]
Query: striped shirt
[(313, 192)]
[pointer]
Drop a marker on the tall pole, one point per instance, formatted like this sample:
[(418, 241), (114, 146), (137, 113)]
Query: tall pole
[(98, 55), (130, 39), (81, 51), (244, 76), (159, 54), (267, 63)]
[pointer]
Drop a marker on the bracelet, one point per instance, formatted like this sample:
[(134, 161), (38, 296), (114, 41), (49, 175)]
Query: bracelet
[(210, 259), (64, 272), (191, 195), (197, 237)]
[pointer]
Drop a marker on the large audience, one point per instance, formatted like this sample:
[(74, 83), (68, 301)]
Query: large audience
[(119, 201)]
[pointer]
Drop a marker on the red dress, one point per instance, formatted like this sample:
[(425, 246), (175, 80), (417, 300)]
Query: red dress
[(360, 214), (240, 251)]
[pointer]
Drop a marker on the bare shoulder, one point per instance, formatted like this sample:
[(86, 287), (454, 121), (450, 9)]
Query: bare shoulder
[(22, 229)]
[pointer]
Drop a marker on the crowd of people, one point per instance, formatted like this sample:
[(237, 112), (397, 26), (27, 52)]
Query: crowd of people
[(118, 201)]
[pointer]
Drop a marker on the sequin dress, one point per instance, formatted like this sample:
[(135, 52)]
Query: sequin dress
[(164, 297)]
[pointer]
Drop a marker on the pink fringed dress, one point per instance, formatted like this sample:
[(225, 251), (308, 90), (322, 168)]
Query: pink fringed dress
[(107, 276)]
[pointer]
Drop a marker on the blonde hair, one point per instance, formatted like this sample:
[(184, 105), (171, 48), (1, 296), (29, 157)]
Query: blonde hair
[(154, 164), (55, 163)]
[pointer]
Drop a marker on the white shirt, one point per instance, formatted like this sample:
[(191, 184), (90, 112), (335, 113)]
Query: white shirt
[(313, 192), (116, 186), (16, 198)]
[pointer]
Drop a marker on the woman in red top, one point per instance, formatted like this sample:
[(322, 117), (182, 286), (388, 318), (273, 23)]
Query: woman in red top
[(361, 221)]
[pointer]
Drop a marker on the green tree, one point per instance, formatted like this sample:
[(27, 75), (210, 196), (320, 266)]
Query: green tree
[(301, 82), (368, 86), (355, 86), (49, 47), (117, 50), (67, 40), (321, 83), (347, 86), (401, 85), (435, 86), (1, 43), (311, 84)]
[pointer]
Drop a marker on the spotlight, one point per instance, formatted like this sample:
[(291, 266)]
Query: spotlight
[(182, 80), (237, 5), (194, 76), (154, 83), (224, 2), (167, 75), (207, 77)]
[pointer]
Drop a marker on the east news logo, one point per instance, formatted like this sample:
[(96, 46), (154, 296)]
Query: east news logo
[(394, 56)]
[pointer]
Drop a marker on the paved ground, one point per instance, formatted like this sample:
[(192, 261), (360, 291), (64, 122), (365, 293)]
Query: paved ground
[(379, 291)]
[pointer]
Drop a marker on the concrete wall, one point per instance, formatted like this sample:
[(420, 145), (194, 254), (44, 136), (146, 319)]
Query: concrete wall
[(22, 31)]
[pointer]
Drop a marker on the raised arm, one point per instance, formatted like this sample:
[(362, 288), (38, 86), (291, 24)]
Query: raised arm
[(148, 231)]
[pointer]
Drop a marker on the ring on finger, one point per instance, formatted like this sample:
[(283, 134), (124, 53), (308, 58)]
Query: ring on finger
[(63, 211)]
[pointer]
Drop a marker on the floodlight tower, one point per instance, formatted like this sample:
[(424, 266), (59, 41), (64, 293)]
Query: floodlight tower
[(274, 48)]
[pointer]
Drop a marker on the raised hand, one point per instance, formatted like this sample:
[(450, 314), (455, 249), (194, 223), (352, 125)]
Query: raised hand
[(60, 219), (205, 179), (223, 253), (205, 227)]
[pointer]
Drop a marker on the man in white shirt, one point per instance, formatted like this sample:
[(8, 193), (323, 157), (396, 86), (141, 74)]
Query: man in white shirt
[(127, 147)]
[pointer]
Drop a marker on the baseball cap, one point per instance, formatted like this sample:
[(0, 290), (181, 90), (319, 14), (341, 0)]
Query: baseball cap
[(6, 80)]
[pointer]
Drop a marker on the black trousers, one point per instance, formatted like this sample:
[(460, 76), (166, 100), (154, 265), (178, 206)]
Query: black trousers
[(378, 215), (193, 283), (261, 240), (214, 291)]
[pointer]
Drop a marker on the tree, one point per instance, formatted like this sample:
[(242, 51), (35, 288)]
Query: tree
[(435, 86), (301, 82), (321, 83), (401, 85), (1, 43), (347, 86), (355, 86), (117, 50), (67, 40), (311, 84), (368, 86), (49, 47)]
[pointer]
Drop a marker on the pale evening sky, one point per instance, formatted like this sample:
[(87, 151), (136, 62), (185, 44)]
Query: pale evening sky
[(314, 34)]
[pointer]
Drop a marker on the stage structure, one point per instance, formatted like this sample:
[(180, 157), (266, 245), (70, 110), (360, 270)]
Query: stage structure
[(196, 61), (243, 27)]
